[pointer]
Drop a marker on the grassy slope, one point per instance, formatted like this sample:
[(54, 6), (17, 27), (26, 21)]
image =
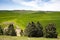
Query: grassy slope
[(22, 18)]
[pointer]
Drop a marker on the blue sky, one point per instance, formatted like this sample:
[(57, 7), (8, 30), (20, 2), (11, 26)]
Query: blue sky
[(45, 5)]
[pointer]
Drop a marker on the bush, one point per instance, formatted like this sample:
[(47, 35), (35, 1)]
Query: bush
[(11, 30), (27, 29), (40, 29), (1, 30), (33, 30), (51, 31)]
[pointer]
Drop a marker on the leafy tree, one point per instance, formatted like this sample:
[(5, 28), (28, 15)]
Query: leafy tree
[(27, 29), (40, 29), (33, 30), (30, 30), (11, 30), (51, 31)]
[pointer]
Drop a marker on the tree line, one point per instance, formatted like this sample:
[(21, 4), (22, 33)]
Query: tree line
[(32, 30)]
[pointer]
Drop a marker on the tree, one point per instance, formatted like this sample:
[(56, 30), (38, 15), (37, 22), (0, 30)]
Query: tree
[(33, 30), (51, 31), (11, 30), (27, 29), (40, 29), (1, 30)]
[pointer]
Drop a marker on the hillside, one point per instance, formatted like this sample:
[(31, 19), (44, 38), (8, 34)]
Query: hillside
[(21, 18)]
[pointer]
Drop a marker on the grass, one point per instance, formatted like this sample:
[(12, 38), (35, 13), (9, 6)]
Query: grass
[(25, 38), (21, 18)]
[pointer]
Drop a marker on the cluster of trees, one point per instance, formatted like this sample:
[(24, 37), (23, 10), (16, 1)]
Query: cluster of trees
[(8, 31), (32, 30), (36, 30)]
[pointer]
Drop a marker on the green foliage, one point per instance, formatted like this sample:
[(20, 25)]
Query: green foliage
[(33, 30), (27, 29), (11, 30), (51, 31), (21, 18), (1, 30), (40, 29)]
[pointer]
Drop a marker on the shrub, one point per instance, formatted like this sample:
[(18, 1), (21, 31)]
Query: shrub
[(30, 30), (11, 30), (40, 29), (27, 29), (1, 30), (51, 31), (33, 30)]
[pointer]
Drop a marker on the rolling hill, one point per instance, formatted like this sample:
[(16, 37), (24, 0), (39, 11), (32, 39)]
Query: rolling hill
[(21, 18)]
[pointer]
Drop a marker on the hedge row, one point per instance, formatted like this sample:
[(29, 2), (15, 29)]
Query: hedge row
[(33, 30), (36, 30)]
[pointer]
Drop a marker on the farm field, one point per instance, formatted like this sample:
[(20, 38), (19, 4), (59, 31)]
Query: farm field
[(22, 18)]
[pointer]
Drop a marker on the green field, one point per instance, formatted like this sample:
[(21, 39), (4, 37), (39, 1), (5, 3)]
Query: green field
[(25, 38), (21, 18)]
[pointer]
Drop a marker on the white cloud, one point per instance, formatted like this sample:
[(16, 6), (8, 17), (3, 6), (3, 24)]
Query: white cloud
[(52, 5), (31, 3)]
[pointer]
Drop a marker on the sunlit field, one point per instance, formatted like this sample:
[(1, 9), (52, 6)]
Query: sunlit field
[(25, 38), (23, 18)]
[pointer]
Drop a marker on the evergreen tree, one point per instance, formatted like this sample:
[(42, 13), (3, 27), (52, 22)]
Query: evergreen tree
[(51, 31), (33, 30), (11, 30), (40, 29), (27, 31)]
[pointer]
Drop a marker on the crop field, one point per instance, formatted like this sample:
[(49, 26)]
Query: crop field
[(23, 18)]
